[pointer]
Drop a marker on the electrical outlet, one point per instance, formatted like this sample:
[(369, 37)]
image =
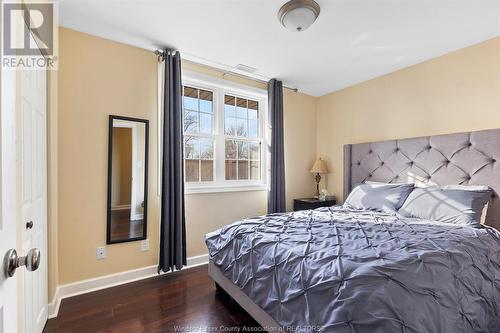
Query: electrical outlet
[(101, 253), (145, 245)]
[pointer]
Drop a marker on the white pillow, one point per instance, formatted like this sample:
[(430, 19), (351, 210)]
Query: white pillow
[(457, 204), (379, 197)]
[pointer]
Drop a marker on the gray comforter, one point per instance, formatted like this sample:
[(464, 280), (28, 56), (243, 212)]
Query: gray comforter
[(335, 270)]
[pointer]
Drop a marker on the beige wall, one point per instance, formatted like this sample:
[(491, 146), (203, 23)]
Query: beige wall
[(457, 92), (300, 145), (98, 77)]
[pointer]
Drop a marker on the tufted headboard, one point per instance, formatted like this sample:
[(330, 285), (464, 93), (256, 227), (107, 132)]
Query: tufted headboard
[(462, 158)]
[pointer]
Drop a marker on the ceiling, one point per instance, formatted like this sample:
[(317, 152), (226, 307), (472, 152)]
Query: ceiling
[(352, 40)]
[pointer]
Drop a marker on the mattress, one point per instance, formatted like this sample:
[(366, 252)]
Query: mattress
[(339, 270)]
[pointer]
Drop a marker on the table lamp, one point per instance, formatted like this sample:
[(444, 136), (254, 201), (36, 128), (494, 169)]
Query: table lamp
[(318, 168)]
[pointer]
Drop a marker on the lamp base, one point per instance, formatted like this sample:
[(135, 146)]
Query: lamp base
[(318, 180)]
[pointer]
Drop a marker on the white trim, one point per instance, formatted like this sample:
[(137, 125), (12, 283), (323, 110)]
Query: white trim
[(203, 79), (224, 188), (107, 281), (220, 87), (223, 67), (120, 207)]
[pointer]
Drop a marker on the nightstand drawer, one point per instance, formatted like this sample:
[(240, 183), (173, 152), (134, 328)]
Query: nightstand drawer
[(311, 203)]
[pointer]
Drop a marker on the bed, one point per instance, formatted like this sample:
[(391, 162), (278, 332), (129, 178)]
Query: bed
[(337, 269)]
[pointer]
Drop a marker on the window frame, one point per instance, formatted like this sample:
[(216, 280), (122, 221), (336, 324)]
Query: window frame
[(198, 135), (220, 88)]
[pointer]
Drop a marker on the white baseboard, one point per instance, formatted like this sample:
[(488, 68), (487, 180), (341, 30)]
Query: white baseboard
[(107, 281), (136, 217), (120, 207)]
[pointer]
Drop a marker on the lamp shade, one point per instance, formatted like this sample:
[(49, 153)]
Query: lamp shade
[(319, 166)]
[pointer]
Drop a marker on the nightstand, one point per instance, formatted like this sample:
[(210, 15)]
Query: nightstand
[(312, 203)]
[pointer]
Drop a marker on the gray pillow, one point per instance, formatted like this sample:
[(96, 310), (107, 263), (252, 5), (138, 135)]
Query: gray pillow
[(458, 204), (379, 197)]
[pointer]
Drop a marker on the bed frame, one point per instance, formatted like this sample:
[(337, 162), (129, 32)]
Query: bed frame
[(463, 158), (242, 299)]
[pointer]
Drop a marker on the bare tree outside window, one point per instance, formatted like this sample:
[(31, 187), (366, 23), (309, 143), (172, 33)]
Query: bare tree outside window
[(198, 134)]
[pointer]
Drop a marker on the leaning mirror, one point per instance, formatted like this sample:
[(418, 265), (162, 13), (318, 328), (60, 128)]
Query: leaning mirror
[(127, 179)]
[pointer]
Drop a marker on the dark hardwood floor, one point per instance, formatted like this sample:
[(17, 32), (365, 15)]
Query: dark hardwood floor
[(122, 227), (186, 299)]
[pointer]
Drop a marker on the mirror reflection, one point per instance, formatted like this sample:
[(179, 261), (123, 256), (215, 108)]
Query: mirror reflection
[(127, 179)]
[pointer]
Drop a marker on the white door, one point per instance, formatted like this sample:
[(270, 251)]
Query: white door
[(8, 233), (24, 186), (33, 166)]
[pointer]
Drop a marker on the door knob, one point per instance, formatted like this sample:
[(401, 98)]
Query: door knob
[(29, 225), (11, 261)]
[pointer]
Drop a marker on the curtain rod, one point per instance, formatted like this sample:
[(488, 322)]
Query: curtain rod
[(161, 54)]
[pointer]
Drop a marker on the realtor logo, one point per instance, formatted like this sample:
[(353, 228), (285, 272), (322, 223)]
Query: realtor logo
[(29, 34)]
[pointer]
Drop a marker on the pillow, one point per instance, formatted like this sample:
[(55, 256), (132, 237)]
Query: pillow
[(458, 204), (379, 197)]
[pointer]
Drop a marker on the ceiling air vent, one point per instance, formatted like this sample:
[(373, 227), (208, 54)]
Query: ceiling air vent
[(245, 68)]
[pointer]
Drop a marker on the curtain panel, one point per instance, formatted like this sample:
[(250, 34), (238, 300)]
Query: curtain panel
[(172, 221), (276, 199)]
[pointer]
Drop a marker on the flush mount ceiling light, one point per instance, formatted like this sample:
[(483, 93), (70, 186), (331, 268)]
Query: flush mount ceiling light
[(298, 15)]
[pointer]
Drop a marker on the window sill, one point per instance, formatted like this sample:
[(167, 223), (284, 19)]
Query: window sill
[(224, 188)]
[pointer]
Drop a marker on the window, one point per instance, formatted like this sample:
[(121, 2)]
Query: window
[(224, 127), (198, 134), (241, 128)]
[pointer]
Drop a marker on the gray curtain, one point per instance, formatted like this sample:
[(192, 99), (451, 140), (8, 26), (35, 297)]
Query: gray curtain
[(276, 201), (172, 220)]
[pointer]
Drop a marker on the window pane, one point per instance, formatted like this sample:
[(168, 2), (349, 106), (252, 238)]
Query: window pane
[(190, 122), (206, 98), (191, 98), (229, 100), (230, 170), (206, 149), (205, 123), (229, 106), (192, 170), (230, 110), (254, 170), (191, 92), (242, 150), (241, 108), (207, 171), (252, 114), (190, 103), (230, 126), (254, 105), (230, 149), (242, 169), (191, 147), (241, 127), (205, 106), (254, 150), (253, 129)]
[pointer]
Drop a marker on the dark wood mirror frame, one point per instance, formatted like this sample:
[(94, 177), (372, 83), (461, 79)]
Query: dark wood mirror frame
[(109, 239)]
